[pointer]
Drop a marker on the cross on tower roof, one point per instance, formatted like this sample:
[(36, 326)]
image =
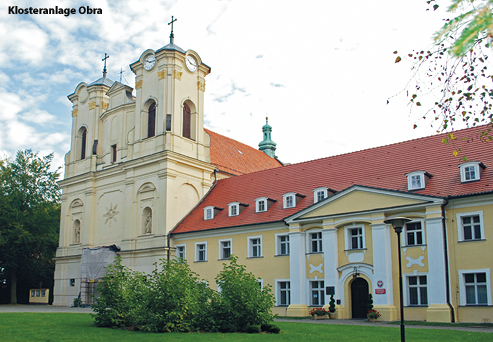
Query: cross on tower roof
[(104, 60), (172, 36)]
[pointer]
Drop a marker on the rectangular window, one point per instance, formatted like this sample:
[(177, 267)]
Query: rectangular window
[(320, 195), (234, 210), (416, 182), (261, 206), (283, 245), (414, 234), (470, 173), (255, 247), (180, 253), (224, 249), (471, 227), (417, 290), (476, 288), (201, 252), (289, 202), (284, 293), (356, 235), (316, 242), (317, 296), (113, 153)]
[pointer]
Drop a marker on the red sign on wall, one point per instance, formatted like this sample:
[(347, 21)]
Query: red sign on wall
[(379, 291)]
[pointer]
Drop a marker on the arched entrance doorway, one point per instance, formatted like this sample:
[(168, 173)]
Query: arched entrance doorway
[(359, 298)]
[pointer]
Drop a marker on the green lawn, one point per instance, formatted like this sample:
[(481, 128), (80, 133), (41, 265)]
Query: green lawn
[(79, 327)]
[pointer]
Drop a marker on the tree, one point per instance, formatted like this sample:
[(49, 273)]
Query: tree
[(29, 220), (451, 79)]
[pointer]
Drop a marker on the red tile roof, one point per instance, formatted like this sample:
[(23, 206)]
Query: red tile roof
[(236, 158), (382, 167)]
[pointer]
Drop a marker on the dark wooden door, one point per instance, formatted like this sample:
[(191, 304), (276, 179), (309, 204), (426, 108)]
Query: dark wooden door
[(359, 298)]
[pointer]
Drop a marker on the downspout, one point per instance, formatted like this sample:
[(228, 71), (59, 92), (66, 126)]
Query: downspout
[(445, 250)]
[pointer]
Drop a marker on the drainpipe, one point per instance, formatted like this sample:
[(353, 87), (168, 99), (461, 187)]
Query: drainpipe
[(167, 236), (445, 250)]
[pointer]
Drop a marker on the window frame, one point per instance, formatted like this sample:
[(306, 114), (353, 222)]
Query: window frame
[(462, 287), (251, 246), (280, 290), (324, 190), (412, 185), (279, 244), (405, 240), (184, 246), (310, 240), (289, 197), (257, 204), (222, 247), (208, 209), (419, 286), (233, 209), (348, 236), (197, 251), (460, 227), (320, 292), (464, 171)]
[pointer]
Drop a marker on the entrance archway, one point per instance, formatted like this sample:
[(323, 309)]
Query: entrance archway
[(359, 298)]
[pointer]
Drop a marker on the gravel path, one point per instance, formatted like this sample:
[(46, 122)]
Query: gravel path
[(63, 309)]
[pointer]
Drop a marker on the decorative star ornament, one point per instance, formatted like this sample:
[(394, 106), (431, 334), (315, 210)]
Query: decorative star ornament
[(111, 214)]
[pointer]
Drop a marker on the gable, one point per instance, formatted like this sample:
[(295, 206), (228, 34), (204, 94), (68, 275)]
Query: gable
[(362, 200)]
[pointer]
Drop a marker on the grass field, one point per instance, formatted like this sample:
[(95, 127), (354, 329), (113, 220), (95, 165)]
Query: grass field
[(80, 327)]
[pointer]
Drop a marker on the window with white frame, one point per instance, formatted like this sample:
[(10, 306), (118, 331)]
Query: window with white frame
[(417, 290), (234, 209), (355, 237), (319, 194), (289, 200), (414, 233), (283, 293), (181, 252), (255, 247), (470, 171), (209, 212), (471, 226), (315, 242), (225, 248), (475, 287), (261, 205), (282, 244), (317, 296), (260, 283), (201, 251)]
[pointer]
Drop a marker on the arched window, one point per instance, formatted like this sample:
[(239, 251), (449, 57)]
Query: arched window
[(83, 143), (187, 118), (151, 121)]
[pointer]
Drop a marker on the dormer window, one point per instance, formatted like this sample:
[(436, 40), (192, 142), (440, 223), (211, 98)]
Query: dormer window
[(208, 213), (263, 204), (471, 171), (417, 180), (291, 199), (235, 208), (319, 194)]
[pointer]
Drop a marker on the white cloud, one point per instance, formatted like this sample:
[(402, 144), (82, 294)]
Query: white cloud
[(38, 116)]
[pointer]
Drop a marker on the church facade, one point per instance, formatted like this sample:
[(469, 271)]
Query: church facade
[(144, 177)]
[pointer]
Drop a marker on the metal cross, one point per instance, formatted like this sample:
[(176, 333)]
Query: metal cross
[(121, 74), (172, 36), (104, 60)]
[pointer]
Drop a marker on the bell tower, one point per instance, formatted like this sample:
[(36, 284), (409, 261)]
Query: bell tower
[(170, 86)]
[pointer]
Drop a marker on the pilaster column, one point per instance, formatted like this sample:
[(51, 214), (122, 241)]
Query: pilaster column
[(382, 263), (331, 259)]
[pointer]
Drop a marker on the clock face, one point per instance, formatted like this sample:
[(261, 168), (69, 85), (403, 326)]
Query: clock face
[(191, 63), (149, 62)]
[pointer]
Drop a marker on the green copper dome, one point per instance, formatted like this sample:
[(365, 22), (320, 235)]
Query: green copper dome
[(267, 145)]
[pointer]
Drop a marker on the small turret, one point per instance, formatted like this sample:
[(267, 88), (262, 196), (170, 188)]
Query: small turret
[(267, 145)]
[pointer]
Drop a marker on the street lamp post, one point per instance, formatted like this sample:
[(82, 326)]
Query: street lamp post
[(398, 223)]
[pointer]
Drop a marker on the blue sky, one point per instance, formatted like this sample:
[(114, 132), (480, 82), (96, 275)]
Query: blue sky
[(322, 71)]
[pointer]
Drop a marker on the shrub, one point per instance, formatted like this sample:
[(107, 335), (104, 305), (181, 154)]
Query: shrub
[(332, 304), (266, 327), (274, 329), (180, 300), (253, 329), (122, 297), (241, 301)]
